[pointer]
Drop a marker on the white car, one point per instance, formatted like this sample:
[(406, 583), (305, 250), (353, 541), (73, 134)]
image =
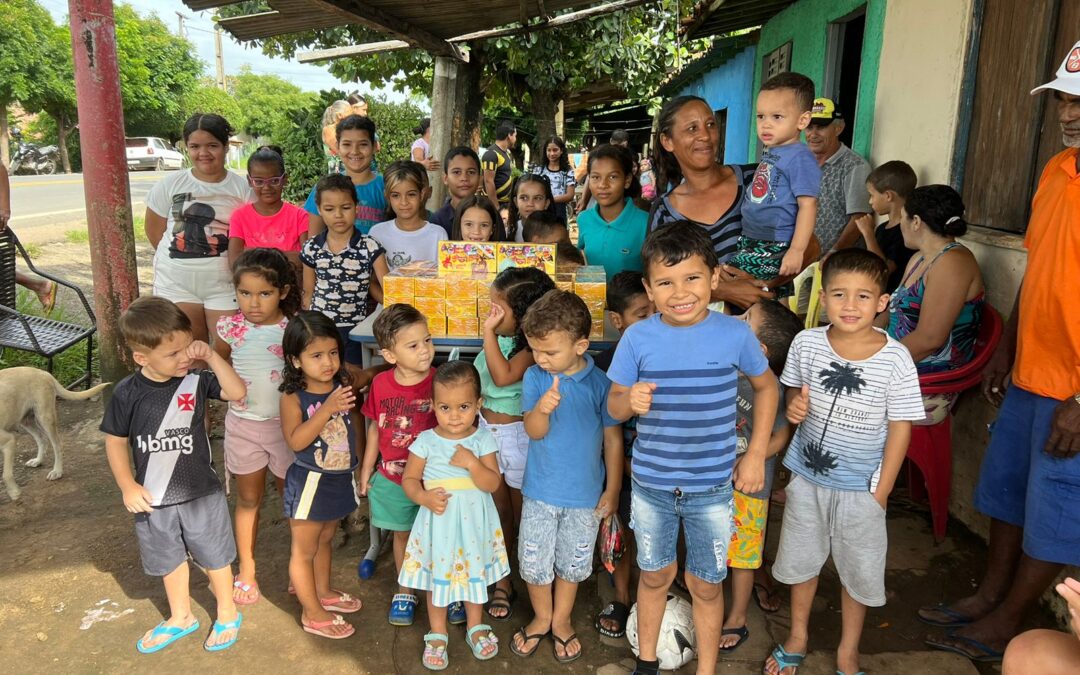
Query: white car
[(148, 152)]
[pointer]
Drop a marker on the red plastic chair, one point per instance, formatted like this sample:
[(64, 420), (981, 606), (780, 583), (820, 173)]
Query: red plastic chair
[(931, 446)]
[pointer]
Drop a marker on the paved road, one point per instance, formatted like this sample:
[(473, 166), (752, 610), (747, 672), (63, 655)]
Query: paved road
[(39, 201)]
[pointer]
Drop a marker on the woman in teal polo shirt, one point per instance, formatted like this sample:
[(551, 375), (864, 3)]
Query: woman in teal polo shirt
[(612, 232)]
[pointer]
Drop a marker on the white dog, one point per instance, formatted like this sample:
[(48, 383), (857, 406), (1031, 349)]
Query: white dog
[(28, 400)]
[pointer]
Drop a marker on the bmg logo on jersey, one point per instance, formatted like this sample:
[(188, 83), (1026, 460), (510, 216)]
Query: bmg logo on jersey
[(171, 441)]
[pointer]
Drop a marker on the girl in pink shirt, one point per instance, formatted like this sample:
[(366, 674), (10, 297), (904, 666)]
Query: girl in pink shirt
[(269, 221)]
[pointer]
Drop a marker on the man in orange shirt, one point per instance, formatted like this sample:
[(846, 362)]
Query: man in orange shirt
[(1029, 484)]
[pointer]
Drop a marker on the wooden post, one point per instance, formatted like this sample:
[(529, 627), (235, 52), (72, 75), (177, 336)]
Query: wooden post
[(444, 92), (560, 119)]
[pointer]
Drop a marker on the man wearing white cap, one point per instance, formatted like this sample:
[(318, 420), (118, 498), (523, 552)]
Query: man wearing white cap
[(1029, 484)]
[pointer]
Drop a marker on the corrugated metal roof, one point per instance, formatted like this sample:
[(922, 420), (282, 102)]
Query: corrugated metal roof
[(720, 17)]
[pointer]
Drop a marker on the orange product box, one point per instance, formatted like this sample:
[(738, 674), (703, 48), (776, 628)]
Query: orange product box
[(437, 325), (400, 288), (461, 288), (430, 306), (512, 254), (429, 287), (460, 309), (466, 326), (467, 257), (418, 268), (597, 331), (564, 282), (483, 307)]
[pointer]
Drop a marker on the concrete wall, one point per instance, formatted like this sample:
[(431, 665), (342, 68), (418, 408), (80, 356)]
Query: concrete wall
[(730, 86), (805, 25)]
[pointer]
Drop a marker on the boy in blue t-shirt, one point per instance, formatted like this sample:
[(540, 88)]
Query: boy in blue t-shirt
[(564, 399), (356, 148), (779, 209), (678, 372)]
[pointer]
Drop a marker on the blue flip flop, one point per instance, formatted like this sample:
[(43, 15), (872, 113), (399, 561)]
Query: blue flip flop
[(785, 659), (983, 653), (955, 619), (174, 633), (220, 628)]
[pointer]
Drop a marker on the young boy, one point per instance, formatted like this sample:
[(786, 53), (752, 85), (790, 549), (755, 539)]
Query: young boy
[(544, 227), (157, 416), (780, 207), (627, 303), (889, 186), (398, 407), (564, 399), (461, 176), (775, 326), (356, 148), (677, 371), (341, 264), (853, 391)]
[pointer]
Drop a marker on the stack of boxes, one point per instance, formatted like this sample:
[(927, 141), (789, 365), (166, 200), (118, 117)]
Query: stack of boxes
[(455, 293)]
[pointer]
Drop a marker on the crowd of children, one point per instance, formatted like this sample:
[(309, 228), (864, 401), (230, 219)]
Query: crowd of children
[(522, 452)]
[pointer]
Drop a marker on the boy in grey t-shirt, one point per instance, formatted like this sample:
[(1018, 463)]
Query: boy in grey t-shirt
[(854, 392)]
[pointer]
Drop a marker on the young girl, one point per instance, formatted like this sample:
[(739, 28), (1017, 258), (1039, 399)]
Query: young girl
[(559, 174), (612, 232), (502, 365), (267, 294), (268, 221), (456, 536), (477, 219), (530, 193), (320, 489), (339, 263), (407, 236)]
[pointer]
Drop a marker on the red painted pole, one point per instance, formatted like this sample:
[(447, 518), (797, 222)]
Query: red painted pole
[(105, 176)]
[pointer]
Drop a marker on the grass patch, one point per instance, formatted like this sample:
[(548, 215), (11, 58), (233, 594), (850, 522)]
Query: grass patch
[(77, 236), (33, 250), (139, 225), (68, 365)]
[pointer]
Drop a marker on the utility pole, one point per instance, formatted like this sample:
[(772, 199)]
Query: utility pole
[(219, 58), (180, 16), (108, 201)]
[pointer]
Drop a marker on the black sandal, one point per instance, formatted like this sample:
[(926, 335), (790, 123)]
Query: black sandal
[(770, 594), (617, 612), (525, 639), (744, 634), (504, 601), (565, 658)]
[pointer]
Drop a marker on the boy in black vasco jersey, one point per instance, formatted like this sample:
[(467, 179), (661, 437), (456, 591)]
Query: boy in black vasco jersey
[(159, 412)]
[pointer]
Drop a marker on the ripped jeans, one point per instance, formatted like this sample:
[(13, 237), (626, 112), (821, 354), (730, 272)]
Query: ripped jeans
[(706, 520), (556, 540)]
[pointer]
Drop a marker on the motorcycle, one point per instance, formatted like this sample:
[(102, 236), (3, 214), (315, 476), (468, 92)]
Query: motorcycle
[(32, 158)]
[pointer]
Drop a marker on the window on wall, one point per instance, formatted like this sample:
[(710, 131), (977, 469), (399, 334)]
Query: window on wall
[(843, 66), (777, 61), (1012, 134)]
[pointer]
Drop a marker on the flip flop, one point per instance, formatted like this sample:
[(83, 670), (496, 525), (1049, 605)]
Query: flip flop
[(768, 594), (565, 643), (617, 612), (342, 602), (744, 634), (525, 639), (840, 672), (956, 619), (785, 659), (174, 633), (245, 588), (478, 646), (984, 653), (50, 298), (319, 627), (504, 601), (220, 628), (433, 652)]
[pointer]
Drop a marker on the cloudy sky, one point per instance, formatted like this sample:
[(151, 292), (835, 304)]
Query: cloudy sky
[(199, 27)]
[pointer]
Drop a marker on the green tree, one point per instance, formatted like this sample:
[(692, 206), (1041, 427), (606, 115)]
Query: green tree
[(207, 97), (264, 101), (54, 93), (22, 56)]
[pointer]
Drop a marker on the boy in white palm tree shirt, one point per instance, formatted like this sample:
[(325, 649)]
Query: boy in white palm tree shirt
[(853, 391)]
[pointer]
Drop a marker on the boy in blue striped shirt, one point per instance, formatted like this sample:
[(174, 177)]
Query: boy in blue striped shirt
[(678, 372)]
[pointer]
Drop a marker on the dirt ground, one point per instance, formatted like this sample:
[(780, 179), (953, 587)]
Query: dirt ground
[(75, 599)]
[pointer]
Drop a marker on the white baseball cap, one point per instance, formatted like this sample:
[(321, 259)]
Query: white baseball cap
[(1068, 75)]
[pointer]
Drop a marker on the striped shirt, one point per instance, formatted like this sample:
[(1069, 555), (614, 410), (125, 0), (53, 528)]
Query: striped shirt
[(841, 442), (727, 228), (687, 439)]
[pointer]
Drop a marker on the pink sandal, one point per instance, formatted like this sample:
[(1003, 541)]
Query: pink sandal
[(342, 602), (245, 588), (319, 628)]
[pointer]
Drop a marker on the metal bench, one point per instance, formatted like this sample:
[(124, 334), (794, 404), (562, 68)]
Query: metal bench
[(39, 335)]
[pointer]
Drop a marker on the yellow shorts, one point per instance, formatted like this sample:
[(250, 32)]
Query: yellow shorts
[(748, 535)]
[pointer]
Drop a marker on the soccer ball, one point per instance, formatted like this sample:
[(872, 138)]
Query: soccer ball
[(675, 646)]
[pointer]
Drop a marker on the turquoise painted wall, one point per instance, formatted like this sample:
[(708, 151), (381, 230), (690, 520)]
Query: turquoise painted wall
[(731, 86), (805, 25)]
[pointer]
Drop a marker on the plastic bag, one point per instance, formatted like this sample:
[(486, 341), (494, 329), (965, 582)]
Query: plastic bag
[(612, 542)]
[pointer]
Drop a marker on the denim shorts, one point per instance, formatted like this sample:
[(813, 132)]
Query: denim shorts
[(556, 541), (1022, 485), (706, 520)]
